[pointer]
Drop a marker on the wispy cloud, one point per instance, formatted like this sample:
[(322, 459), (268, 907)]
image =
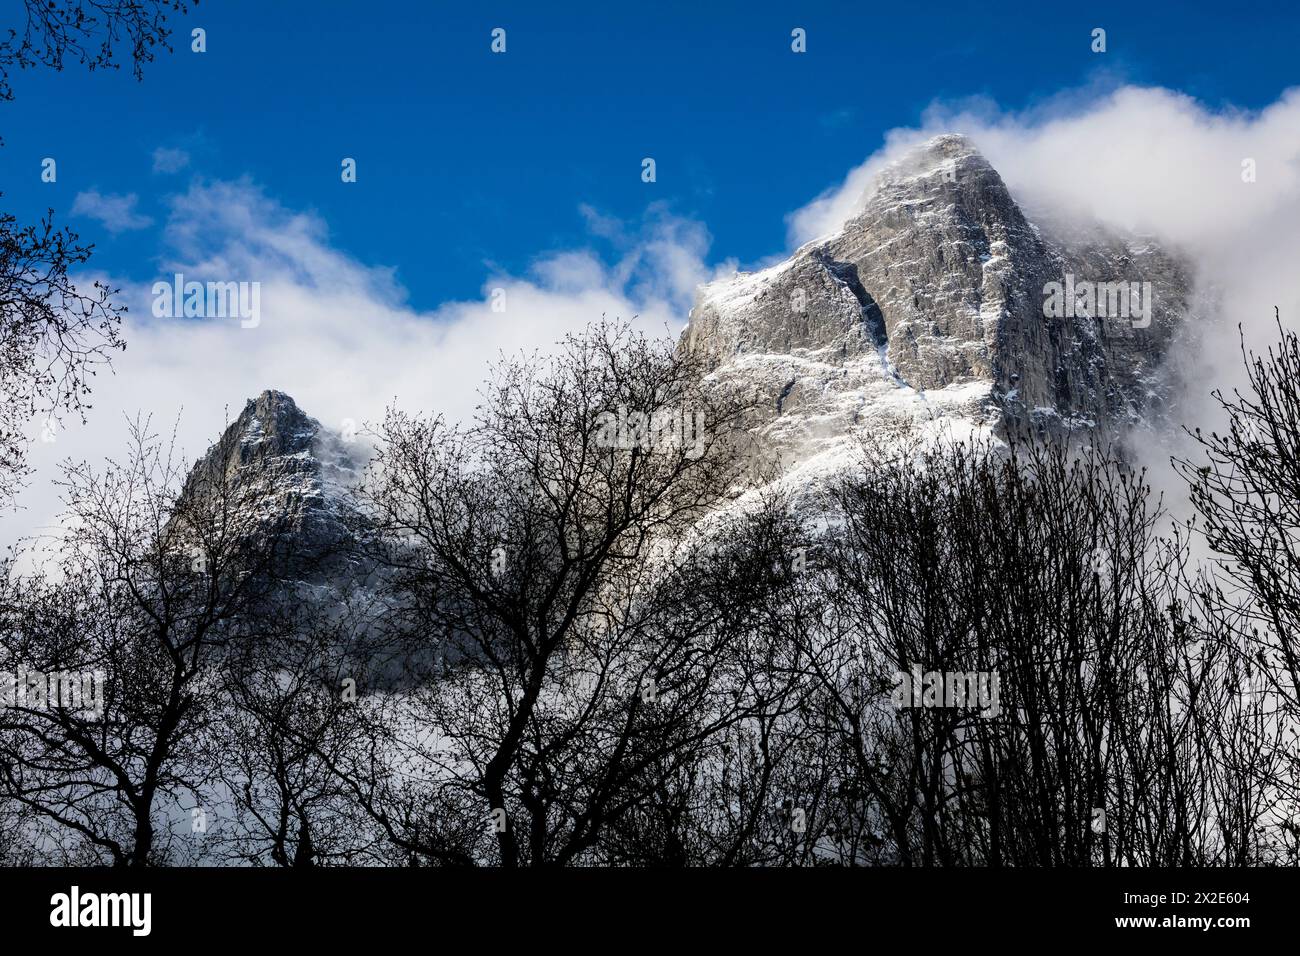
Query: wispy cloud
[(116, 213), (167, 159), (339, 335)]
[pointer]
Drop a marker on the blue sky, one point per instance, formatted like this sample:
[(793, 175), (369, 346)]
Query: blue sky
[(470, 161)]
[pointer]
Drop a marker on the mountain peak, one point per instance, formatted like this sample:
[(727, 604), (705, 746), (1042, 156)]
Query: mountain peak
[(951, 156), (273, 424), (273, 396), (292, 471), (945, 146), (929, 305), (950, 142)]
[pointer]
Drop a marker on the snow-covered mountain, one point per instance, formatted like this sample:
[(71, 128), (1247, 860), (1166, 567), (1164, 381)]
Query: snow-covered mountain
[(924, 315), (297, 472)]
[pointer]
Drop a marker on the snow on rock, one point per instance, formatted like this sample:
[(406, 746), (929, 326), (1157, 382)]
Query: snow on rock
[(293, 470), (924, 316)]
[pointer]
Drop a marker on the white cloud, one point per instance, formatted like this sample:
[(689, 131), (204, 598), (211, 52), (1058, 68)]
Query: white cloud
[(167, 159), (116, 213), (340, 336)]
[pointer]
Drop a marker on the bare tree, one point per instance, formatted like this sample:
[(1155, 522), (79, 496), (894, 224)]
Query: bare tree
[(292, 716), (1245, 487), (54, 336), (1117, 735), (576, 642), (88, 33), (149, 588), (584, 637)]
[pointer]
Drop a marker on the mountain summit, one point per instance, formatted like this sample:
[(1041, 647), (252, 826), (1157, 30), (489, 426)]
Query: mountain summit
[(297, 471), (939, 309), (931, 310)]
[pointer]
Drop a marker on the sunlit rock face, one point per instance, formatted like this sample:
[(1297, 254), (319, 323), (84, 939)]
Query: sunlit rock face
[(940, 310), (933, 311)]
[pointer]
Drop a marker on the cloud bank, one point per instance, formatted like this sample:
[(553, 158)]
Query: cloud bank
[(340, 336)]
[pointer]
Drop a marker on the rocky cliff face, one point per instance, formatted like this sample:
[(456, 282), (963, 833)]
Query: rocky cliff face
[(926, 313), (923, 316), (297, 473)]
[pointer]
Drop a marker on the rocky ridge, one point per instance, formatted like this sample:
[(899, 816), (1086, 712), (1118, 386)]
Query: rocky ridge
[(924, 315)]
